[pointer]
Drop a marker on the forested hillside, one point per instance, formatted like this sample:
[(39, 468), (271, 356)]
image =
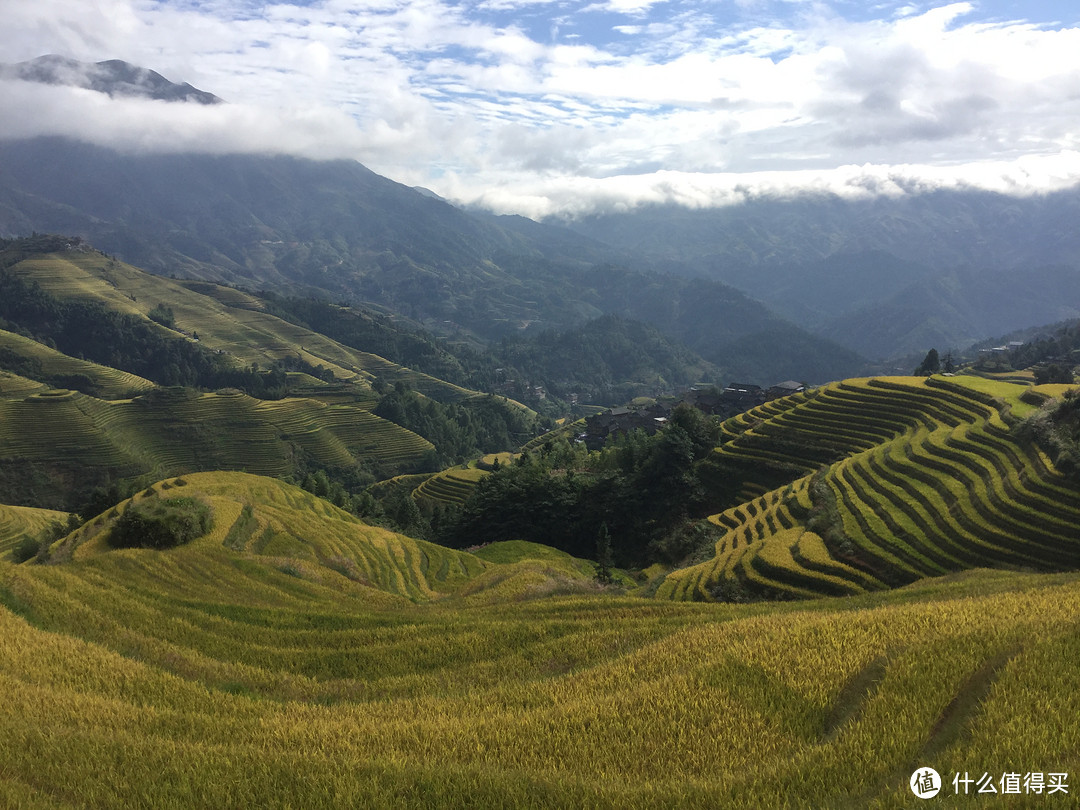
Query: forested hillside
[(339, 231)]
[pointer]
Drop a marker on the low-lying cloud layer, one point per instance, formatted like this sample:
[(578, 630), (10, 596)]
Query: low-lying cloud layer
[(567, 106)]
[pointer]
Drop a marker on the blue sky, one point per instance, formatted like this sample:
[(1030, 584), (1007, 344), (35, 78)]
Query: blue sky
[(546, 107)]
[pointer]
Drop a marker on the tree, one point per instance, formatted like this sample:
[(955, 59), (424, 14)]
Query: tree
[(604, 557), (931, 364), (1053, 373), (161, 523), (163, 315)]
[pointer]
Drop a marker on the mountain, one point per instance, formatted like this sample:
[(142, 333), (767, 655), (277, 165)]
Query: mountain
[(937, 229), (112, 77), (336, 229), (957, 309), (883, 276)]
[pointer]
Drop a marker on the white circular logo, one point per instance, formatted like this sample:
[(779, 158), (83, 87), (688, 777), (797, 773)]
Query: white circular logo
[(925, 783)]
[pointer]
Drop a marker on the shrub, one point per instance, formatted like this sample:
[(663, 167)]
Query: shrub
[(163, 315), (26, 549), (161, 523)]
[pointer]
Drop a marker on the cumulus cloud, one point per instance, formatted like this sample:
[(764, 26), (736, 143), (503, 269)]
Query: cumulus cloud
[(563, 106)]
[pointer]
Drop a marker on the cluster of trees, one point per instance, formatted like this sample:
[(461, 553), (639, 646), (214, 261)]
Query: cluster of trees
[(932, 364), (459, 431), (633, 503), (1057, 430), (161, 523), (345, 489)]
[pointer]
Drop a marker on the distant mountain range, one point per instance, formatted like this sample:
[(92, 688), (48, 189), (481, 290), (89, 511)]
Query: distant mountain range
[(882, 278), (337, 229), (887, 276)]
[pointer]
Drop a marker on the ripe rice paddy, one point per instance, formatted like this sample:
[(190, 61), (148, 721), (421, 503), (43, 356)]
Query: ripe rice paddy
[(319, 662)]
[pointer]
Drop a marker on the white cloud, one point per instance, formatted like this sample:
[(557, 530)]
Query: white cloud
[(492, 101), (569, 197)]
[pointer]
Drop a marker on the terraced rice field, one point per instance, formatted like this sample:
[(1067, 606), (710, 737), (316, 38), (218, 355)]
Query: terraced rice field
[(450, 487), (925, 479), (176, 431), (226, 320), (13, 386), (16, 521), (330, 664), (112, 383)]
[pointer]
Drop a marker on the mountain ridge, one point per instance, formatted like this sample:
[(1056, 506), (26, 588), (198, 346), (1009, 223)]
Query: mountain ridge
[(113, 77)]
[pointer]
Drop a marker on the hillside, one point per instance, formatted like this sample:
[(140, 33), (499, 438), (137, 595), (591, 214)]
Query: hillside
[(311, 398), (224, 320), (328, 663), (867, 484), (113, 77), (17, 522), (939, 230), (957, 309), (338, 230), (884, 276), (57, 445)]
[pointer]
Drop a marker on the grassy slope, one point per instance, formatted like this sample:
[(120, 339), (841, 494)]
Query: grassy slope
[(925, 479), (110, 382), (204, 676), (167, 434), (15, 521), (173, 432), (225, 319)]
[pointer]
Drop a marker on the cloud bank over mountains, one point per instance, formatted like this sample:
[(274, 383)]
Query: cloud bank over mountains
[(567, 107)]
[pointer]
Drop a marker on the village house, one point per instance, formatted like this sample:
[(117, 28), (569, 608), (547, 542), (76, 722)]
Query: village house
[(784, 389)]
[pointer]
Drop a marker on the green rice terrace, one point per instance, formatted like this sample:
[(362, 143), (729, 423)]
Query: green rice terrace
[(65, 371), (223, 319), (295, 656), (174, 431), (68, 424), (17, 521), (895, 479)]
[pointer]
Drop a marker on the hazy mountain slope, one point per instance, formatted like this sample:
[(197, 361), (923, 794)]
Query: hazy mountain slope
[(958, 309), (343, 231), (813, 293), (939, 229), (741, 336), (878, 275), (609, 361)]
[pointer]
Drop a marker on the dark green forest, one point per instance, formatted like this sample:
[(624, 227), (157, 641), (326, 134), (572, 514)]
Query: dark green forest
[(644, 489)]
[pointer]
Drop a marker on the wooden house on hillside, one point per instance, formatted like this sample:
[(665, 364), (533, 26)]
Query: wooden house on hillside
[(784, 389)]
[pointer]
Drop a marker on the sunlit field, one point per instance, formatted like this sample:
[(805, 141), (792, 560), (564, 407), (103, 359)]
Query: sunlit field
[(297, 657)]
